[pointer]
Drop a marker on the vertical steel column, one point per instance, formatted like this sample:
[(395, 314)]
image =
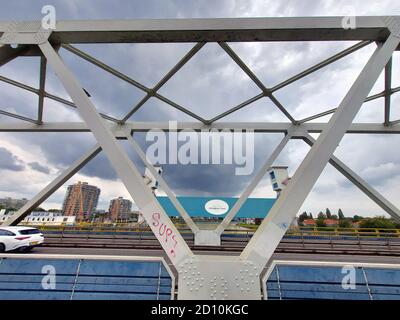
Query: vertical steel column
[(166, 233), (43, 67), (263, 244), (388, 91)]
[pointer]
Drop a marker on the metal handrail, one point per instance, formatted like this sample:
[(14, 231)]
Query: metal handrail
[(329, 232)]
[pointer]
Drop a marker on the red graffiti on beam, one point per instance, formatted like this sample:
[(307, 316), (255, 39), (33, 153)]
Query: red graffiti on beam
[(166, 232)]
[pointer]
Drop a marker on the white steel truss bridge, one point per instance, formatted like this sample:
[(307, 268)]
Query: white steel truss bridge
[(203, 276)]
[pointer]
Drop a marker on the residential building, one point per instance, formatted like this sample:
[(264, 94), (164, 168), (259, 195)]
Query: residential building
[(309, 223), (13, 203), (81, 200), (120, 209), (38, 218), (331, 222)]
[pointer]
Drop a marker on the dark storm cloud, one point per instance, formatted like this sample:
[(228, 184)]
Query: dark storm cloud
[(73, 147), (62, 150), (99, 167), (217, 179), (38, 167), (9, 161)]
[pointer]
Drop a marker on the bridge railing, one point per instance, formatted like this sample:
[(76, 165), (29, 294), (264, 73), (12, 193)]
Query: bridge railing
[(336, 232), (293, 232)]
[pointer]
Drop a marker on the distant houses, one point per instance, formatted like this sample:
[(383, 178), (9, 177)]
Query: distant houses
[(313, 223)]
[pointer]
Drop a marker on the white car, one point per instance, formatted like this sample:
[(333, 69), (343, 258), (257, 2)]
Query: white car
[(19, 238)]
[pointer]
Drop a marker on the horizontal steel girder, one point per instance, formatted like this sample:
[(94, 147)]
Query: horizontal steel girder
[(225, 29), (260, 127)]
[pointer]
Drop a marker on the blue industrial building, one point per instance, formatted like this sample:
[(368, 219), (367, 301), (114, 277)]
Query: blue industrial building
[(197, 206)]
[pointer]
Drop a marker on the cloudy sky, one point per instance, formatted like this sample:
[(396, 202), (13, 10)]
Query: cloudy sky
[(210, 83)]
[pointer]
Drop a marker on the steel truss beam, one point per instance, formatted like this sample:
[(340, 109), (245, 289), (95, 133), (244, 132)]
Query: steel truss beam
[(224, 30), (213, 237), (321, 65), (266, 92), (253, 184), (373, 194), (165, 231), (388, 88), (257, 127), (386, 93), (153, 92), (17, 116), (41, 93), (149, 92), (7, 53), (189, 221), (52, 187), (263, 243), (47, 95)]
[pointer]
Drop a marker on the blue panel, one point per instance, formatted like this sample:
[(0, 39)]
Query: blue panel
[(385, 297), (115, 288), (34, 266), (316, 274), (120, 268), (21, 279), (117, 296), (34, 278), (317, 287), (305, 295), (125, 281), (382, 276), (34, 295), (311, 282), (384, 289), (195, 206), (33, 286)]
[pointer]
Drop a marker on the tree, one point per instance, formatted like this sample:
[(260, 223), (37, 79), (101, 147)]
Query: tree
[(357, 218), (321, 216), (379, 222), (303, 216), (320, 220), (53, 210), (340, 214), (311, 217), (328, 213), (39, 209), (345, 223), (334, 217), (320, 223)]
